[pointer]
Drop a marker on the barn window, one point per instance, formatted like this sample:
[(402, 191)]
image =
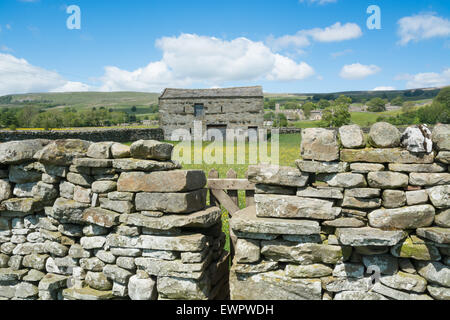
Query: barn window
[(199, 110)]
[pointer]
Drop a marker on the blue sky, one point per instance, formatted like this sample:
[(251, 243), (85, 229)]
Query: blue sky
[(286, 46)]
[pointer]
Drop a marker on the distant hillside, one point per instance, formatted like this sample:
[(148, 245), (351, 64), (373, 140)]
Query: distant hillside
[(81, 99), (360, 96), (119, 100)]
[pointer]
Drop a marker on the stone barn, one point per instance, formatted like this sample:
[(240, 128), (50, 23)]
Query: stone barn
[(229, 108)]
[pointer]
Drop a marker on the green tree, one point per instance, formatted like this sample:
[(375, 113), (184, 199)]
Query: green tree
[(377, 105), (335, 116), (323, 104), (343, 100), (291, 105), (444, 97), (133, 109), (307, 108), (397, 101)]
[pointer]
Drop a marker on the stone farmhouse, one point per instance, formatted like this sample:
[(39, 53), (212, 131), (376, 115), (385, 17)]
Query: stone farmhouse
[(228, 108)]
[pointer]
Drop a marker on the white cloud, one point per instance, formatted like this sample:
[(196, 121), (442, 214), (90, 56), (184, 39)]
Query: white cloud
[(72, 86), (358, 71), (320, 2), (384, 88), (421, 27), (192, 59), (426, 79), (19, 76), (334, 33)]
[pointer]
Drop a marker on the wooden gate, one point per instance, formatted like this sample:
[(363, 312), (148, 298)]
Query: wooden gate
[(225, 192)]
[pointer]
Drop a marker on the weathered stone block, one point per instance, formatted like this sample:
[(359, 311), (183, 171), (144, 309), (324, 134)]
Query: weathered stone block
[(443, 219), (68, 210), (276, 175), (303, 253), (100, 217), (145, 165), (322, 167), (62, 152), (150, 149), (192, 242), (16, 152), (394, 199), (368, 237), (438, 235), (92, 163), (245, 221), (273, 286), (98, 281), (405, 281), (403, 218), (5, 189), (124, 207), (444, 157), (434, 272), (387, 180), (416, 197), (417, 139), (171, 202), (22, 206), (184, 289), (322, 192), (352, 137), (103, 186), (363, 203), (384, 135), (163, 181), (426, 168), (247, 251), (279, 206), (417, 251), (120, 151), (366, 167), (393, 155), (441, 137), (100, 150), (429, 179), (199, 219), (343, 180), (140, 288), (319, 144), (440, 196)]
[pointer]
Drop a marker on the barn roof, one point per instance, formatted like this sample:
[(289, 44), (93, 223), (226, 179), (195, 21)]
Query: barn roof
[(240, 92)]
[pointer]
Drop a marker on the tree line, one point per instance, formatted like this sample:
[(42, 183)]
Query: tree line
[(33, 117)]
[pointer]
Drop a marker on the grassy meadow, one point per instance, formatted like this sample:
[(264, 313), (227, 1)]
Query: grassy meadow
[(289, 151)]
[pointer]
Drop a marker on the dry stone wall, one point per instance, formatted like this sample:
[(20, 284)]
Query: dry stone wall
[(93, 135), (97, 221), (358, 219)]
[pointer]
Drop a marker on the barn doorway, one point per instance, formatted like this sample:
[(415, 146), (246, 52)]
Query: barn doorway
[(210, 131)]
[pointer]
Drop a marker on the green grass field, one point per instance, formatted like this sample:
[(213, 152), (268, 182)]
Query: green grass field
[(90, 99), (363, 119)]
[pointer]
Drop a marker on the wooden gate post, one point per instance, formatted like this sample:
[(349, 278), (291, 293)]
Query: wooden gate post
[(213, 174)]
